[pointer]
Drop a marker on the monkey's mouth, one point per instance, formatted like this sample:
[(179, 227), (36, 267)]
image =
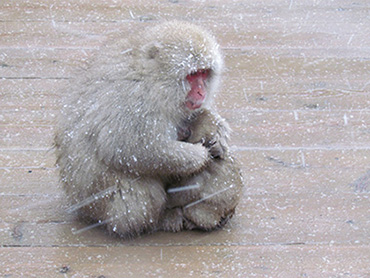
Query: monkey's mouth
[(198, 90), (192, 105)]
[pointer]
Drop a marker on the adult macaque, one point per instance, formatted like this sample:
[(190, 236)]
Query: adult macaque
[(117, 139), (205, 200)]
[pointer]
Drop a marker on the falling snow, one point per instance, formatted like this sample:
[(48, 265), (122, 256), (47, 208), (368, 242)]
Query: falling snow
[(295, 91)]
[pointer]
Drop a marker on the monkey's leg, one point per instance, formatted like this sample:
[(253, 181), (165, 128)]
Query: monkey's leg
[(179, 194), (205, 216), (178, 216), (219, 195), (208, 199), (134, 207), (171, 220)]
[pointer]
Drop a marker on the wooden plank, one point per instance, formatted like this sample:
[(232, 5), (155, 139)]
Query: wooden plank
[(252, 158), (284, 180), (286, 68), (116, 4), (45, 63), (18, 90), (243, 30), (31, 118), (189, 10), (15, 90), (283, 218), (269, 176), (26, 138), (266, 173), (37, 209), (21, 95), (238, 118), (281, 129), (211, 261), (301, 158), (61, 63), (269, 95), (32, 181), (300, 129), (27, 159)]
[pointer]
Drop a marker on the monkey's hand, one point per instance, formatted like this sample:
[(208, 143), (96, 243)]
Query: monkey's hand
[(217, 150), (212, 131), (217, 144), (193, 158)]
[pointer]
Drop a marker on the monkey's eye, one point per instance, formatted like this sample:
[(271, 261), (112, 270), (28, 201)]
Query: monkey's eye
[(201, 72), (204, 73)]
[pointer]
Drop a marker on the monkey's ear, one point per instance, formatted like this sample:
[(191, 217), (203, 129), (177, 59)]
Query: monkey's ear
[(153, 50)]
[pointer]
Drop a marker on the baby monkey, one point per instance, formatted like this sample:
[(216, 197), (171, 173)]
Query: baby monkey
[(206, 200)]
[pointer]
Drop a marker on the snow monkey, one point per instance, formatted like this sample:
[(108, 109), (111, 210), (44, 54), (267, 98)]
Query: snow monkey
[(117, 141)]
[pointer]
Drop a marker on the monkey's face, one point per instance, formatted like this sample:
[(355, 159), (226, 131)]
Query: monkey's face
[(192, 69), (185, 60), (198, 90)]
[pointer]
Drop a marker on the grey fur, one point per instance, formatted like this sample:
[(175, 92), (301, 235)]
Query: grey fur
[(119, 125)]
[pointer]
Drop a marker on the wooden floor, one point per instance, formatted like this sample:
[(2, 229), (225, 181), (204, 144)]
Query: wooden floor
[(296, 93)]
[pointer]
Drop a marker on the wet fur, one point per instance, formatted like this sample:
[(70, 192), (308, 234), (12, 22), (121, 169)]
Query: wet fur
[(117, 137)]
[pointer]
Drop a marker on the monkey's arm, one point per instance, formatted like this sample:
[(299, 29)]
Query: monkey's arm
[(155, 158), (178, 158)]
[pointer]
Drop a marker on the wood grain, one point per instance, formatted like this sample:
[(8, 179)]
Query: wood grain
[(296, 92)]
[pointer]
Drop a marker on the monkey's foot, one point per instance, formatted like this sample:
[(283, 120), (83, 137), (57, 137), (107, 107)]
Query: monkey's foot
[(171, 220), (204, 217), (225, 220)]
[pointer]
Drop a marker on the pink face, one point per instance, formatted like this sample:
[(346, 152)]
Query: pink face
[(198, 92)]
